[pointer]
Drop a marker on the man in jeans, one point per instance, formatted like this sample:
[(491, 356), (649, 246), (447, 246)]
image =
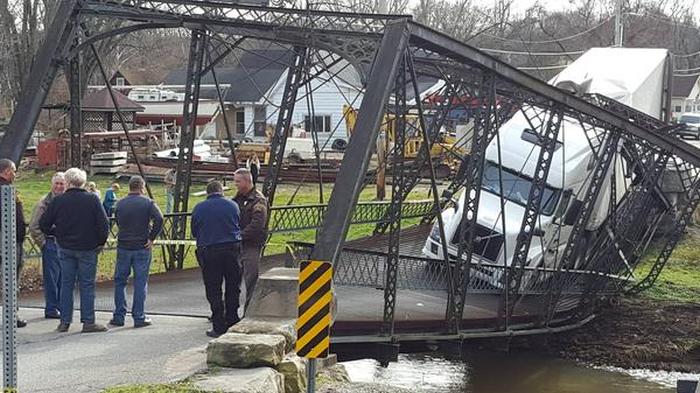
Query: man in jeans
[(80, 225), (51, 266), (140, 222), (215, 227)]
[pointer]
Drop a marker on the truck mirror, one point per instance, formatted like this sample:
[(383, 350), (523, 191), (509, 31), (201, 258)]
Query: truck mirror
[(572, 212)]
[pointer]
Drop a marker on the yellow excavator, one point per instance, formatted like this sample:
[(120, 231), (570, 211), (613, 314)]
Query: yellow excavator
[(445, 153)]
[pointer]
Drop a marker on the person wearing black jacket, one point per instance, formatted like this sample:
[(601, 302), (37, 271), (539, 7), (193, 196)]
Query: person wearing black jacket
[(8, 172), (80, 225)]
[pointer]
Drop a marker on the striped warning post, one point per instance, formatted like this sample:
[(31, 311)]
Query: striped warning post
[(313, 324)]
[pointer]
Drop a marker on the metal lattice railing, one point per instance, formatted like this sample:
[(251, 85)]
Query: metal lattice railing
[(362, 268), (283, 219)]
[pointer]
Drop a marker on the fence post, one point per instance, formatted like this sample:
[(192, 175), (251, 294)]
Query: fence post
[(8, 253)]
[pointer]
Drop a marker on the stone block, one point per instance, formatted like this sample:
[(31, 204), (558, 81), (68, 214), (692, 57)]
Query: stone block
[(232, 380), (294, 370), (246, 350), (282, 327), (275, 294)]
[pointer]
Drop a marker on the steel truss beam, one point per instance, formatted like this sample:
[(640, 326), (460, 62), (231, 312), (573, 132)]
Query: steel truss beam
[(606, 153), (547, 143), (691, 184), (39, 80), (412, 172), (347, 189), (485, 128), (627, 220), (398, 179), (284, 122), (76, 117), (187, 137), (432, 40)]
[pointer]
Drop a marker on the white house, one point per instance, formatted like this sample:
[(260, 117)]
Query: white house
[(685, 95)]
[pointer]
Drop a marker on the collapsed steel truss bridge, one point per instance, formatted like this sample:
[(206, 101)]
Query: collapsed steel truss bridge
[(390, 54)]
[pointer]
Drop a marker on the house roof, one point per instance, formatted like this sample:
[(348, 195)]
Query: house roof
[(258, 70), (683, 85), (100, 101)]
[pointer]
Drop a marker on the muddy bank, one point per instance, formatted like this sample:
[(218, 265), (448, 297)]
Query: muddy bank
[(631, 333)]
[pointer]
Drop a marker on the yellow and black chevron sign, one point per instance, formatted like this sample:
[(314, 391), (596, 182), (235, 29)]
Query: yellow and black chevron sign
[(313, 324)]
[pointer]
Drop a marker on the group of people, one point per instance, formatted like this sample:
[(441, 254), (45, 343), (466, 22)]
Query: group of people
[(71, 226)]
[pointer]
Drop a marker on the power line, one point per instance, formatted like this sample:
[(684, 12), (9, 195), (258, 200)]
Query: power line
[(553, 41)]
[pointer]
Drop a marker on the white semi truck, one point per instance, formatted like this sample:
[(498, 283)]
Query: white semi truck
[(634, 77)]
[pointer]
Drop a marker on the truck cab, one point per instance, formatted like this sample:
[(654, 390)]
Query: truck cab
[(507, 177)]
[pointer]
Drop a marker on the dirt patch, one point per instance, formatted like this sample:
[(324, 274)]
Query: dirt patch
[(632, 333)]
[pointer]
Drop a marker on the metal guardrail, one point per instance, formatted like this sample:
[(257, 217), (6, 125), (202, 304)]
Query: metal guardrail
[(283, 219), (363, 268)]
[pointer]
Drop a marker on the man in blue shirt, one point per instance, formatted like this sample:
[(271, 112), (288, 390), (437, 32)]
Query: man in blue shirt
[(139, 222), (215, 227)]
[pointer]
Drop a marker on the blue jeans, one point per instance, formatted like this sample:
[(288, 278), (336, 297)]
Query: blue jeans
[(169, 200), (51, 268), (140, 262), (83, 266)]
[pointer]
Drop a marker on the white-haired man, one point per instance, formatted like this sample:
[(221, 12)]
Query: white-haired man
[(51, 266), (80, 225)]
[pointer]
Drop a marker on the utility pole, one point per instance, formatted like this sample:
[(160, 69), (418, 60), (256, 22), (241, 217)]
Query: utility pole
[(618, 23)]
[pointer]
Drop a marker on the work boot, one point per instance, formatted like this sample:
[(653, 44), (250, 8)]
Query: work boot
[(63, 327), (93, 328), (115, 322), (213, 333), (144, 323)]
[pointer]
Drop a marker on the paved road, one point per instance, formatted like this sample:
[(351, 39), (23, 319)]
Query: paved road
[(171, 349)]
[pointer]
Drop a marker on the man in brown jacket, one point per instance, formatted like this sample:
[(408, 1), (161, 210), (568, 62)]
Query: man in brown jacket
[(253, 223), (51, 265)]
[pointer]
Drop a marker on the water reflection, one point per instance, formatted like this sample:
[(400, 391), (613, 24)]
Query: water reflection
[(499, 373)]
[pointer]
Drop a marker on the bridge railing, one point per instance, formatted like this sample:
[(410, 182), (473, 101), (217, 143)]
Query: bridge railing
[(283, 219), (363, 268)]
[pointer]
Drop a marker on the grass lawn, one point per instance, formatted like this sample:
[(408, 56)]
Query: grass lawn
[(155, 388), (33, 185), (680, 278)]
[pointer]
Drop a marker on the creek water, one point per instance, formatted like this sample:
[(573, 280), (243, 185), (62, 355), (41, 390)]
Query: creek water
[(508, 373)]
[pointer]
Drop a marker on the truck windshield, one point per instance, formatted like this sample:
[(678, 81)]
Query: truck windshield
[(690, 119), (517, 188)]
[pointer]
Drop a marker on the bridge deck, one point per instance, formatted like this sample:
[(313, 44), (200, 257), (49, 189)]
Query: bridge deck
[(360, 308)]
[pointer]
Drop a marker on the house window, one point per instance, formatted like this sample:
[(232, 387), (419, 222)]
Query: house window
[(120, 81), (321, 123), (260, 120), (139, 97), (677, 108), (688, 108), (240, 121)]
